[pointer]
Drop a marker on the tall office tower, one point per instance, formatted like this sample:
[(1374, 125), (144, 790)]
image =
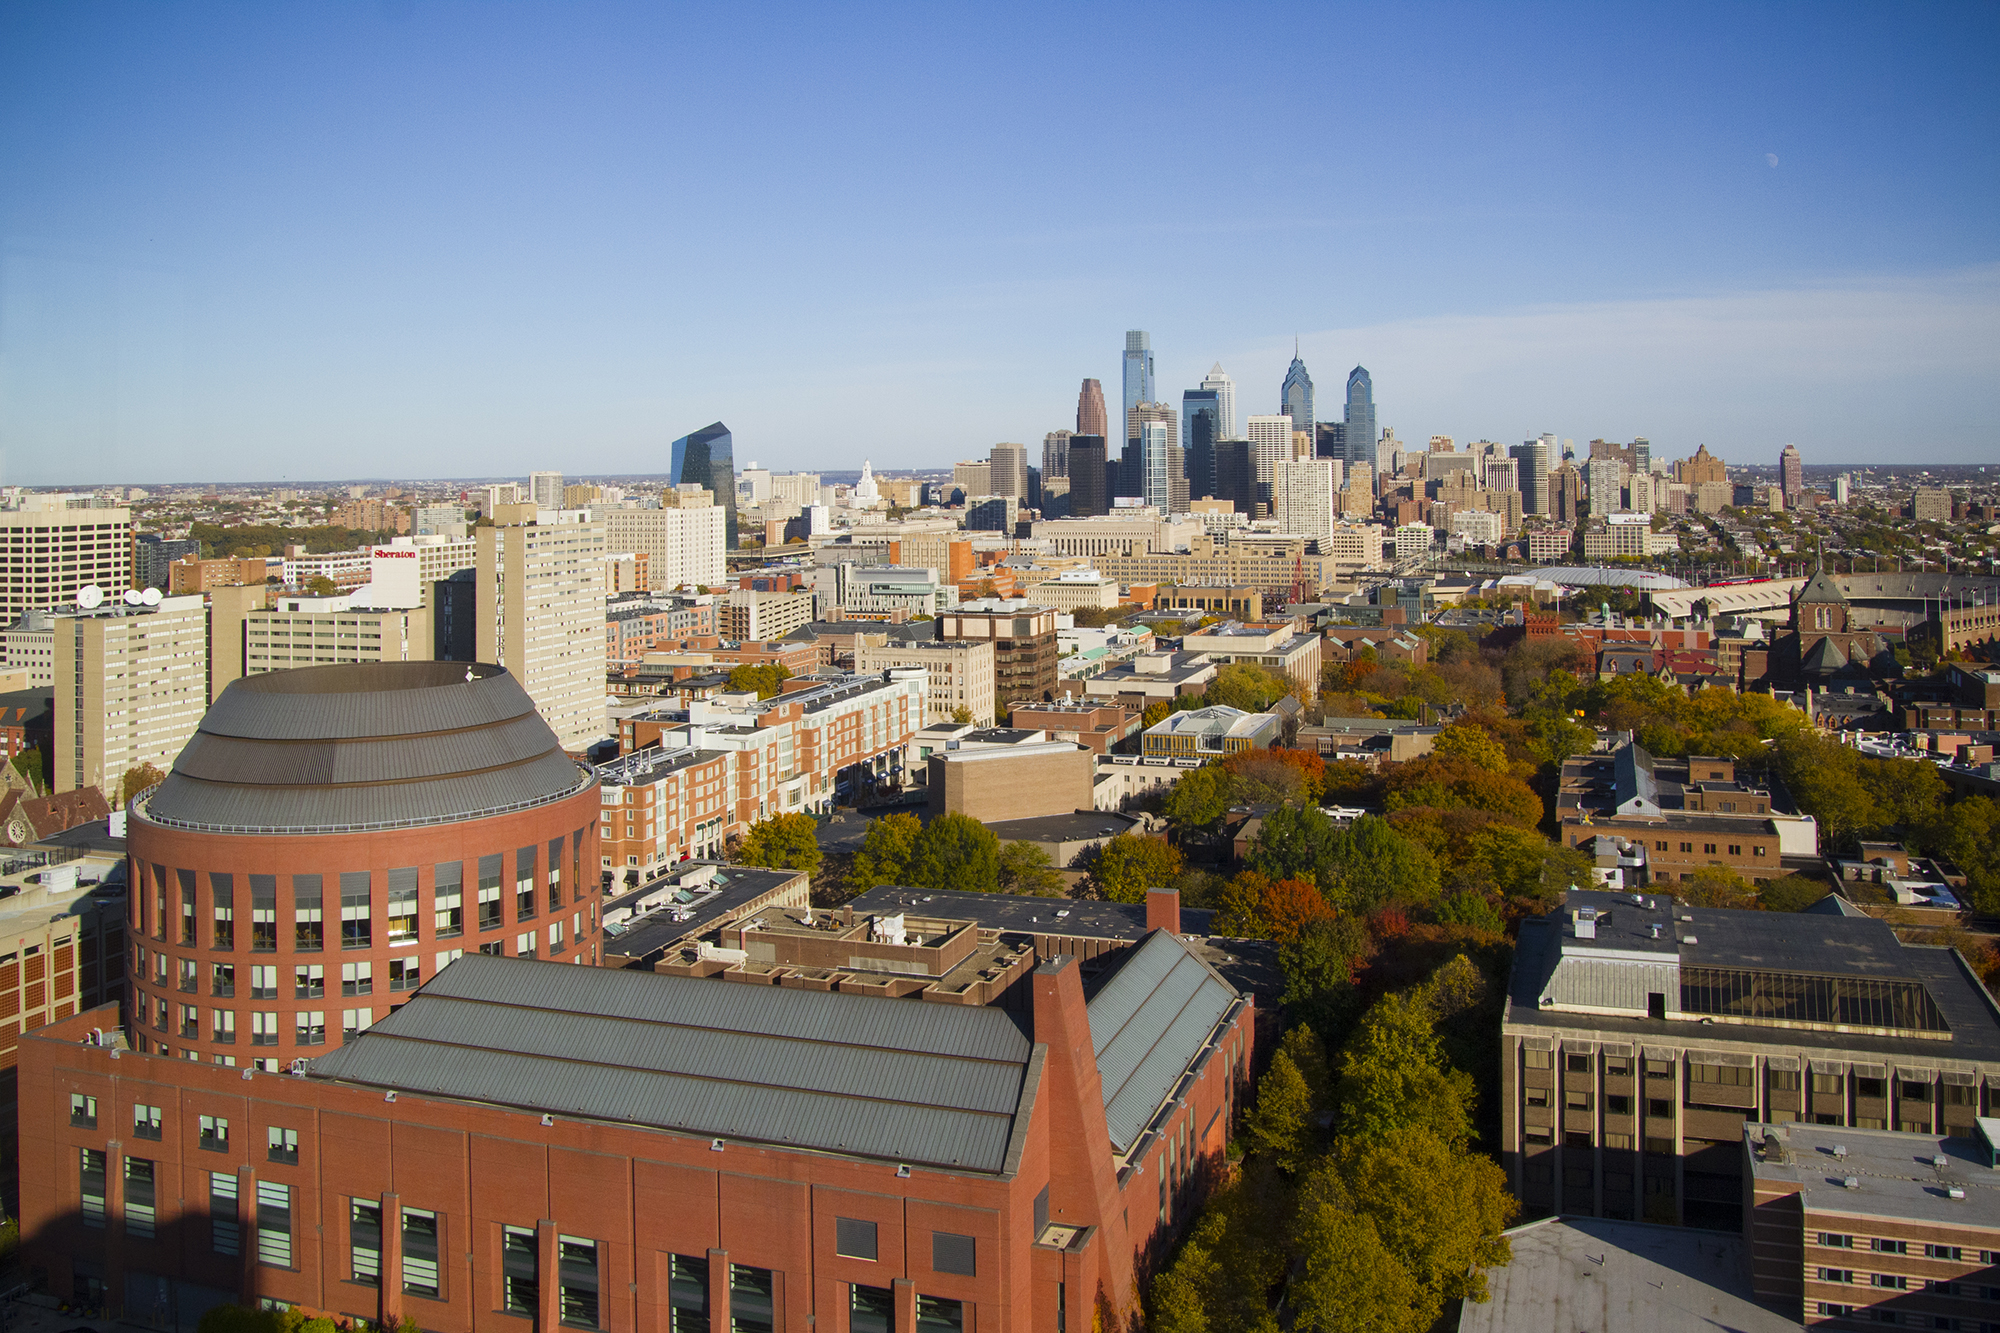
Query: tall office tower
[(1330, 440), (1225, 401), (706, 457), (1128, 473), (1531, 471), (1842, 488), (1642, 496), (1138, 374), (1132, 478), (1792, 474), (1357, 496), (1155, 481), (541, 615), (1296, 398), (974, 476), (1302, 497), (1009, 465), (1270, 442), (1642, 454), (1177, 482), (1502, 475), (1360, 422), (1604, 481), (1090, 418), (1236, 475), (545, 490), (1055, 455), (49, 549), (1201, 427), (1088, 497), (131, 684)]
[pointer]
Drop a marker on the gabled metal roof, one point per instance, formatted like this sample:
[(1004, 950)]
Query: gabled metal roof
[(905, 1081), (1147, 1025)]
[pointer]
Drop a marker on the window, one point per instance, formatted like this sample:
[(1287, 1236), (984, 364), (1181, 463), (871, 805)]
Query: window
[(1839, 1311), (308, 914), (1659, 1069), (263, 1028), (687, 1294), (1687, 846), (190, 1022), (1735, 849), (420, 1252), (83, 1113), (871, 1310), (1827, 1084), (405, 974), (750, 1306), (145, 1122), (1868, 1087), (554, 871), (935, 1314), (1576, 1099), (1539, 1136), (357, 979), (222, 1026), (1660, 1147), (274, 1224), (364, 1241), (1708, 849), (1576, 1064), (403, 905), (91, 1185), (309, 981), (1836, 1275), (447, 899), (263, 983), (222, 908), (1660, 1108), (139, 1198), (225, 1234), (1618, 1105), (1732, 1076), (282, 1145), (354, 1022), (1784, 1080), (1538, 1096), (1614, 1067), (853, 1239), (489, 892), (576, 1273), (1881, 1246), (555, 938), (1951, 1252), (520, 1270), (188, 880), (188, 974), (953, 1254), (309, 1027), (263, 913), (1659, 847), (214, 1133), (1618, 1141), (524, 945), (1535, 1059), (1892, 1281), (524, 884), (1576, 1139), (222, 980), (356, 931)]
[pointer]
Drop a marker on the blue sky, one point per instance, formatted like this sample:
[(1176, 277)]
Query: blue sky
[(413, 239)]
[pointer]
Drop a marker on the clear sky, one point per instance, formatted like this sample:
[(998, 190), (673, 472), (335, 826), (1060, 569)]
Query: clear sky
[(410, 239)]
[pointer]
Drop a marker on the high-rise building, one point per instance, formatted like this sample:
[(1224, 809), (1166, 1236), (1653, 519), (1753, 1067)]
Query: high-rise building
[(682, 543), (974, 476), (1296, 398), (1604, 478), (545, 490), (1359, 427), (1088, 495), (1131, 478), (1703, 467), (1009, 464), (1201, 427), (1055, 454), (1531, 470), (1270, 442), (1236, 475), (1225, 401), (541, 615), (131, 684), (1302, 497), (1792, 474), (1156, 479), (1330, 440), (706, 457), (1138, 374), (1090, 416), (54, 546)]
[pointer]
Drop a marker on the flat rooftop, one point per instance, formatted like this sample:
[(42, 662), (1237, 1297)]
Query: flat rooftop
[(663, 912), (1079, 827), (1895, 1175), (1594, 1275)]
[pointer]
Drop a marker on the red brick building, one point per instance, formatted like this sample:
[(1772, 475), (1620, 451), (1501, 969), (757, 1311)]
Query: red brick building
[(638, 1153), (332, 836)]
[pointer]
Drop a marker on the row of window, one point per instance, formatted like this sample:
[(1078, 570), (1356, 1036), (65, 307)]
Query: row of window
[(1977, 1291), (1907, 1318), (1834, 1240), (148, 1123), (1744, 1076), (308, 980)]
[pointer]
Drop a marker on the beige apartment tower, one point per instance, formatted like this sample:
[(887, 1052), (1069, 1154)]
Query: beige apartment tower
[(682, 545), (541, 615), (131, 686), (959, 675), (52, 551)]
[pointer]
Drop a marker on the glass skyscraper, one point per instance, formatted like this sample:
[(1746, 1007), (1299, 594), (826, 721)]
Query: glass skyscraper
[(1088, 495), (1297, 397), (1360, 434), (1156, 472), (1225, 399), (1201, 427), (707, 457), (1138, 374)]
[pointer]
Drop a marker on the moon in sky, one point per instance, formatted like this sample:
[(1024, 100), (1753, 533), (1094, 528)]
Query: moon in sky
[(1772, 158)]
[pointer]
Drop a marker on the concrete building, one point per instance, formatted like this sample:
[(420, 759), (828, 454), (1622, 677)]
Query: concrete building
[(153, 555), (417, 856), (1641, 1037), (973, 476), (683, 545), (1098, 727), (1214, 732), (440, 521), (1017, 775), (131, 685), (744, 613), (1152, 677), (1276, 646), (1024, 641), (892, 592), (1302, 497), (1930, 504), (1078, 589), (1148, 530), (541, 615), (1007, 466), (1270, 444), (57, 545), (313, 631), (31, 648), (545, 490), (959, 675)]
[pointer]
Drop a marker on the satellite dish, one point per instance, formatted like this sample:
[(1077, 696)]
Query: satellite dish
[(90, 597), (132, 597), (151, 597)]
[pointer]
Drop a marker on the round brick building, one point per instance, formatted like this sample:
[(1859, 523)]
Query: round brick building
[(331, 836)]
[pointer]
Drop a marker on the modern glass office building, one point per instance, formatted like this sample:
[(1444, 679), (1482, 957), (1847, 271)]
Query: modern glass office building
[(1360, 434), (707, 457), (1201, 427), (1296, 398), (1088, 494), (1138, 374)]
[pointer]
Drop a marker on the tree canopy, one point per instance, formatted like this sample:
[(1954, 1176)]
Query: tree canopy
[(885, 852), (768, 679), (1128, 865), (954, 851), (790, 841)]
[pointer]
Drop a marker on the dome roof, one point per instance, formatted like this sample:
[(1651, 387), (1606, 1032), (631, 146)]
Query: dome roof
[(369, 745)]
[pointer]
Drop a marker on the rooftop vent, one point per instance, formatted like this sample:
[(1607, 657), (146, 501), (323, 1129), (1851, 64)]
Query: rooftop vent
[(1689, 939), (1852, 1182), (1840, 1150), (1940, 1161), (1955, 1192)]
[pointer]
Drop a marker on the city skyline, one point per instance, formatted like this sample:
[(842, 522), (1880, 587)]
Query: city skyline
[(419, 238)]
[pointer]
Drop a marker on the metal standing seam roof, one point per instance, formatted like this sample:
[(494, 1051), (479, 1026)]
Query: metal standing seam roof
[(934, 1084), (1147, 1025)]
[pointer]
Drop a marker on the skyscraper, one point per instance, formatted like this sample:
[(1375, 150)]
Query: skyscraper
[(1055, 453), (1330, 440), (1138, 375), (1792, 474), (1090, 418), (1225, 399), (706, 457), (1156, 486), (1531, 467), (1088, 497), (1236, 475), (1302, 498), (1270, 442), (1201, 427), (1009, 463), (541, 615), (1359, 431), (545, 490), (1296, 398)]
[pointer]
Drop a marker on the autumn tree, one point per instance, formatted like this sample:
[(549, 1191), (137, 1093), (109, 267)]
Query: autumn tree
[(1714, 886), (1128, 865), (767, 680), (1280, 1123), (1026, 868), (135, 781), (885, 852), (1297, 843), (786, 841), (1373, 864), (1792, 893), (1239, 908), (1290, 905), (1200, 797)]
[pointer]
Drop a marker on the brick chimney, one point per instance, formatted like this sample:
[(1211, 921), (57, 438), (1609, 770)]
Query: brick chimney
[(1163, 910)]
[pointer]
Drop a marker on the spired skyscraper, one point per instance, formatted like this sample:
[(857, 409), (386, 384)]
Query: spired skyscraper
[(1138, 376), (1358, 432), (1090, 419), (707, 457), (1297, 395), (1225, 400)]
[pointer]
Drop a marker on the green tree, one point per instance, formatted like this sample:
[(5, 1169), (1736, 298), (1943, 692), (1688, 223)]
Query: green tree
[(1128, 865), (319, 585), (28, 764), (1351, 1283), (135, 781), (1200, 797), (1248, 686), (1026, 868), (1473, 744), (1468, 907), (1308, 1054), (955, 852), (787, 841), (767, 680), (1298, 843), (962, 715), (1793, 893), (1239, 908), (1319, 965), (1393, 1076), (1715, 886), (885, 852), (1281, 1122), (1156, 713), (1374, 864)]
